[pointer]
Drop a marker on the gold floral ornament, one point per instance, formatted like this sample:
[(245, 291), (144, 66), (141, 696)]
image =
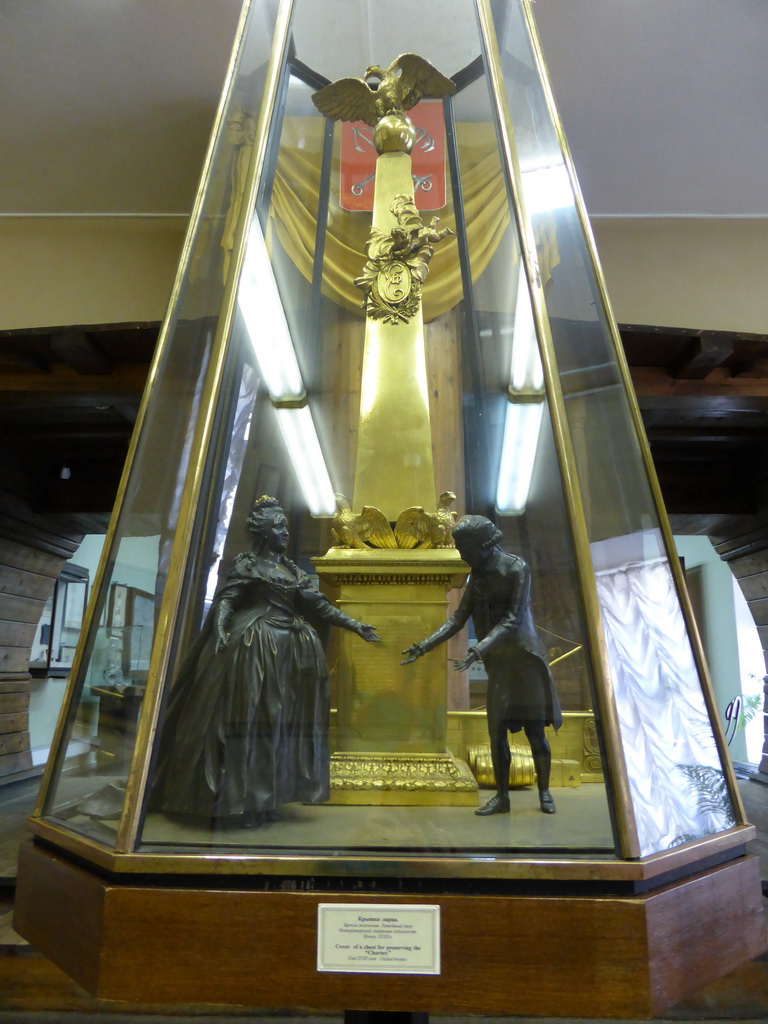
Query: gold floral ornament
[(398, 263)]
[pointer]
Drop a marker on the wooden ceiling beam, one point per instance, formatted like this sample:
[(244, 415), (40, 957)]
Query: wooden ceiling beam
[(56, 433), (78, 350), (685, 433), (127, 379), (703, 355), (13, 362), (653, 381)]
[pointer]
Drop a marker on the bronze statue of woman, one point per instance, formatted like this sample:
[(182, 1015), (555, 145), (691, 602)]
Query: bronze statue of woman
[(247, 722)]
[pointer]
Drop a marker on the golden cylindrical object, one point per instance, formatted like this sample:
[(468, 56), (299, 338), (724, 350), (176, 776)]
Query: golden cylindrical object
[(521, 770)]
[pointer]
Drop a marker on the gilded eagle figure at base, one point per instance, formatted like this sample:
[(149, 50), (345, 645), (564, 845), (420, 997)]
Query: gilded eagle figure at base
[(408, 79), (353, 529), (418, 528)]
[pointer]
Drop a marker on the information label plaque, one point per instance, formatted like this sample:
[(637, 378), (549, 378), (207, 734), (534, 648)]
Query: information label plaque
[(375, 938)]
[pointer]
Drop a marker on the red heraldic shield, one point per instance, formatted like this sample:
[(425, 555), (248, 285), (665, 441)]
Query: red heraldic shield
[(358, 160)]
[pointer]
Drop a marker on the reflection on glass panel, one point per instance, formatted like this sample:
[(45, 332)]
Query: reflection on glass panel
[(102, 730), (97, 746), (674, 766), (41, 644), (284, 729)]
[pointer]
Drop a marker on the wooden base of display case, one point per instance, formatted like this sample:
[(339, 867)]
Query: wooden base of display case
[(574, 955)]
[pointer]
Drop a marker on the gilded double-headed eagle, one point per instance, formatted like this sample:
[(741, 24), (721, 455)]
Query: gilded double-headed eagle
[(382, 91)]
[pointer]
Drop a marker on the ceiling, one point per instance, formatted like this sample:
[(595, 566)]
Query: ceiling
[(106, 107)]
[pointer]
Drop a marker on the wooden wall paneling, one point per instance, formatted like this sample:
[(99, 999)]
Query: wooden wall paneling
[(747, 567), (755, 590), (16, 743), (759, 609), (15, 765), (18, 700), (14, 721), (14, 580), (14, 661), (17, 634), (33, 551), (15, 755), (21, 609)]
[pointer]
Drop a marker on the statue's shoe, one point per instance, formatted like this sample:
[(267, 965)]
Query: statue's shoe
[(496, 805), (546, 802)]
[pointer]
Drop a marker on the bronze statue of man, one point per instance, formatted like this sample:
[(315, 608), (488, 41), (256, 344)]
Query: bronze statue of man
[(521, 692)]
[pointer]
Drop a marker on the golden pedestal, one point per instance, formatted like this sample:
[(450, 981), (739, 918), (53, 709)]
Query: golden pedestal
[(392, 718)]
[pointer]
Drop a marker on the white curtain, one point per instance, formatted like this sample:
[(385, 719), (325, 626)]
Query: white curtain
[(673, 763)]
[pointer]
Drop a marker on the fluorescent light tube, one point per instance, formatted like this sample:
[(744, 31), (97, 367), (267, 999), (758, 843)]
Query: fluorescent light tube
[(300, 439), (547, 188), (262, 311), (518, 455), (526, 373)]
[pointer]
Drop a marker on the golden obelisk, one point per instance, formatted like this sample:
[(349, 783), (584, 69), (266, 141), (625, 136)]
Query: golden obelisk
[(391, 725)]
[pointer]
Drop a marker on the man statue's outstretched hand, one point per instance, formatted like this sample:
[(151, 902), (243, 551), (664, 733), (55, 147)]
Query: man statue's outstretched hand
[(413, 652), (471, 657)]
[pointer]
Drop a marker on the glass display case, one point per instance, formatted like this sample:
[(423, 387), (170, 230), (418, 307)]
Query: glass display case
[(418, 620)]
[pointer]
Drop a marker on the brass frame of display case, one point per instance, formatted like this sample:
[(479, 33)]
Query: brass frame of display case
[(68, 706), (637, 420), (400, 864)]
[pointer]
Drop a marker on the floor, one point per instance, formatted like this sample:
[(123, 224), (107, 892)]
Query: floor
[(582, 821), (34, 991)]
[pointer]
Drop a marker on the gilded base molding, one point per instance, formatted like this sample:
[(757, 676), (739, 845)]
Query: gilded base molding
[(402, 779)]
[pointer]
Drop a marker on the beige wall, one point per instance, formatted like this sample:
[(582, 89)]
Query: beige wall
[(703, 274), (59, 271)]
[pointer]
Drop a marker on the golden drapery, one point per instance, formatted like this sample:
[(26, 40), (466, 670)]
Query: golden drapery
[(293, 216)]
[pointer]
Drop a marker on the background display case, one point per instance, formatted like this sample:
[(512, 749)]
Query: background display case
[(57, 634), (261, 756)]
